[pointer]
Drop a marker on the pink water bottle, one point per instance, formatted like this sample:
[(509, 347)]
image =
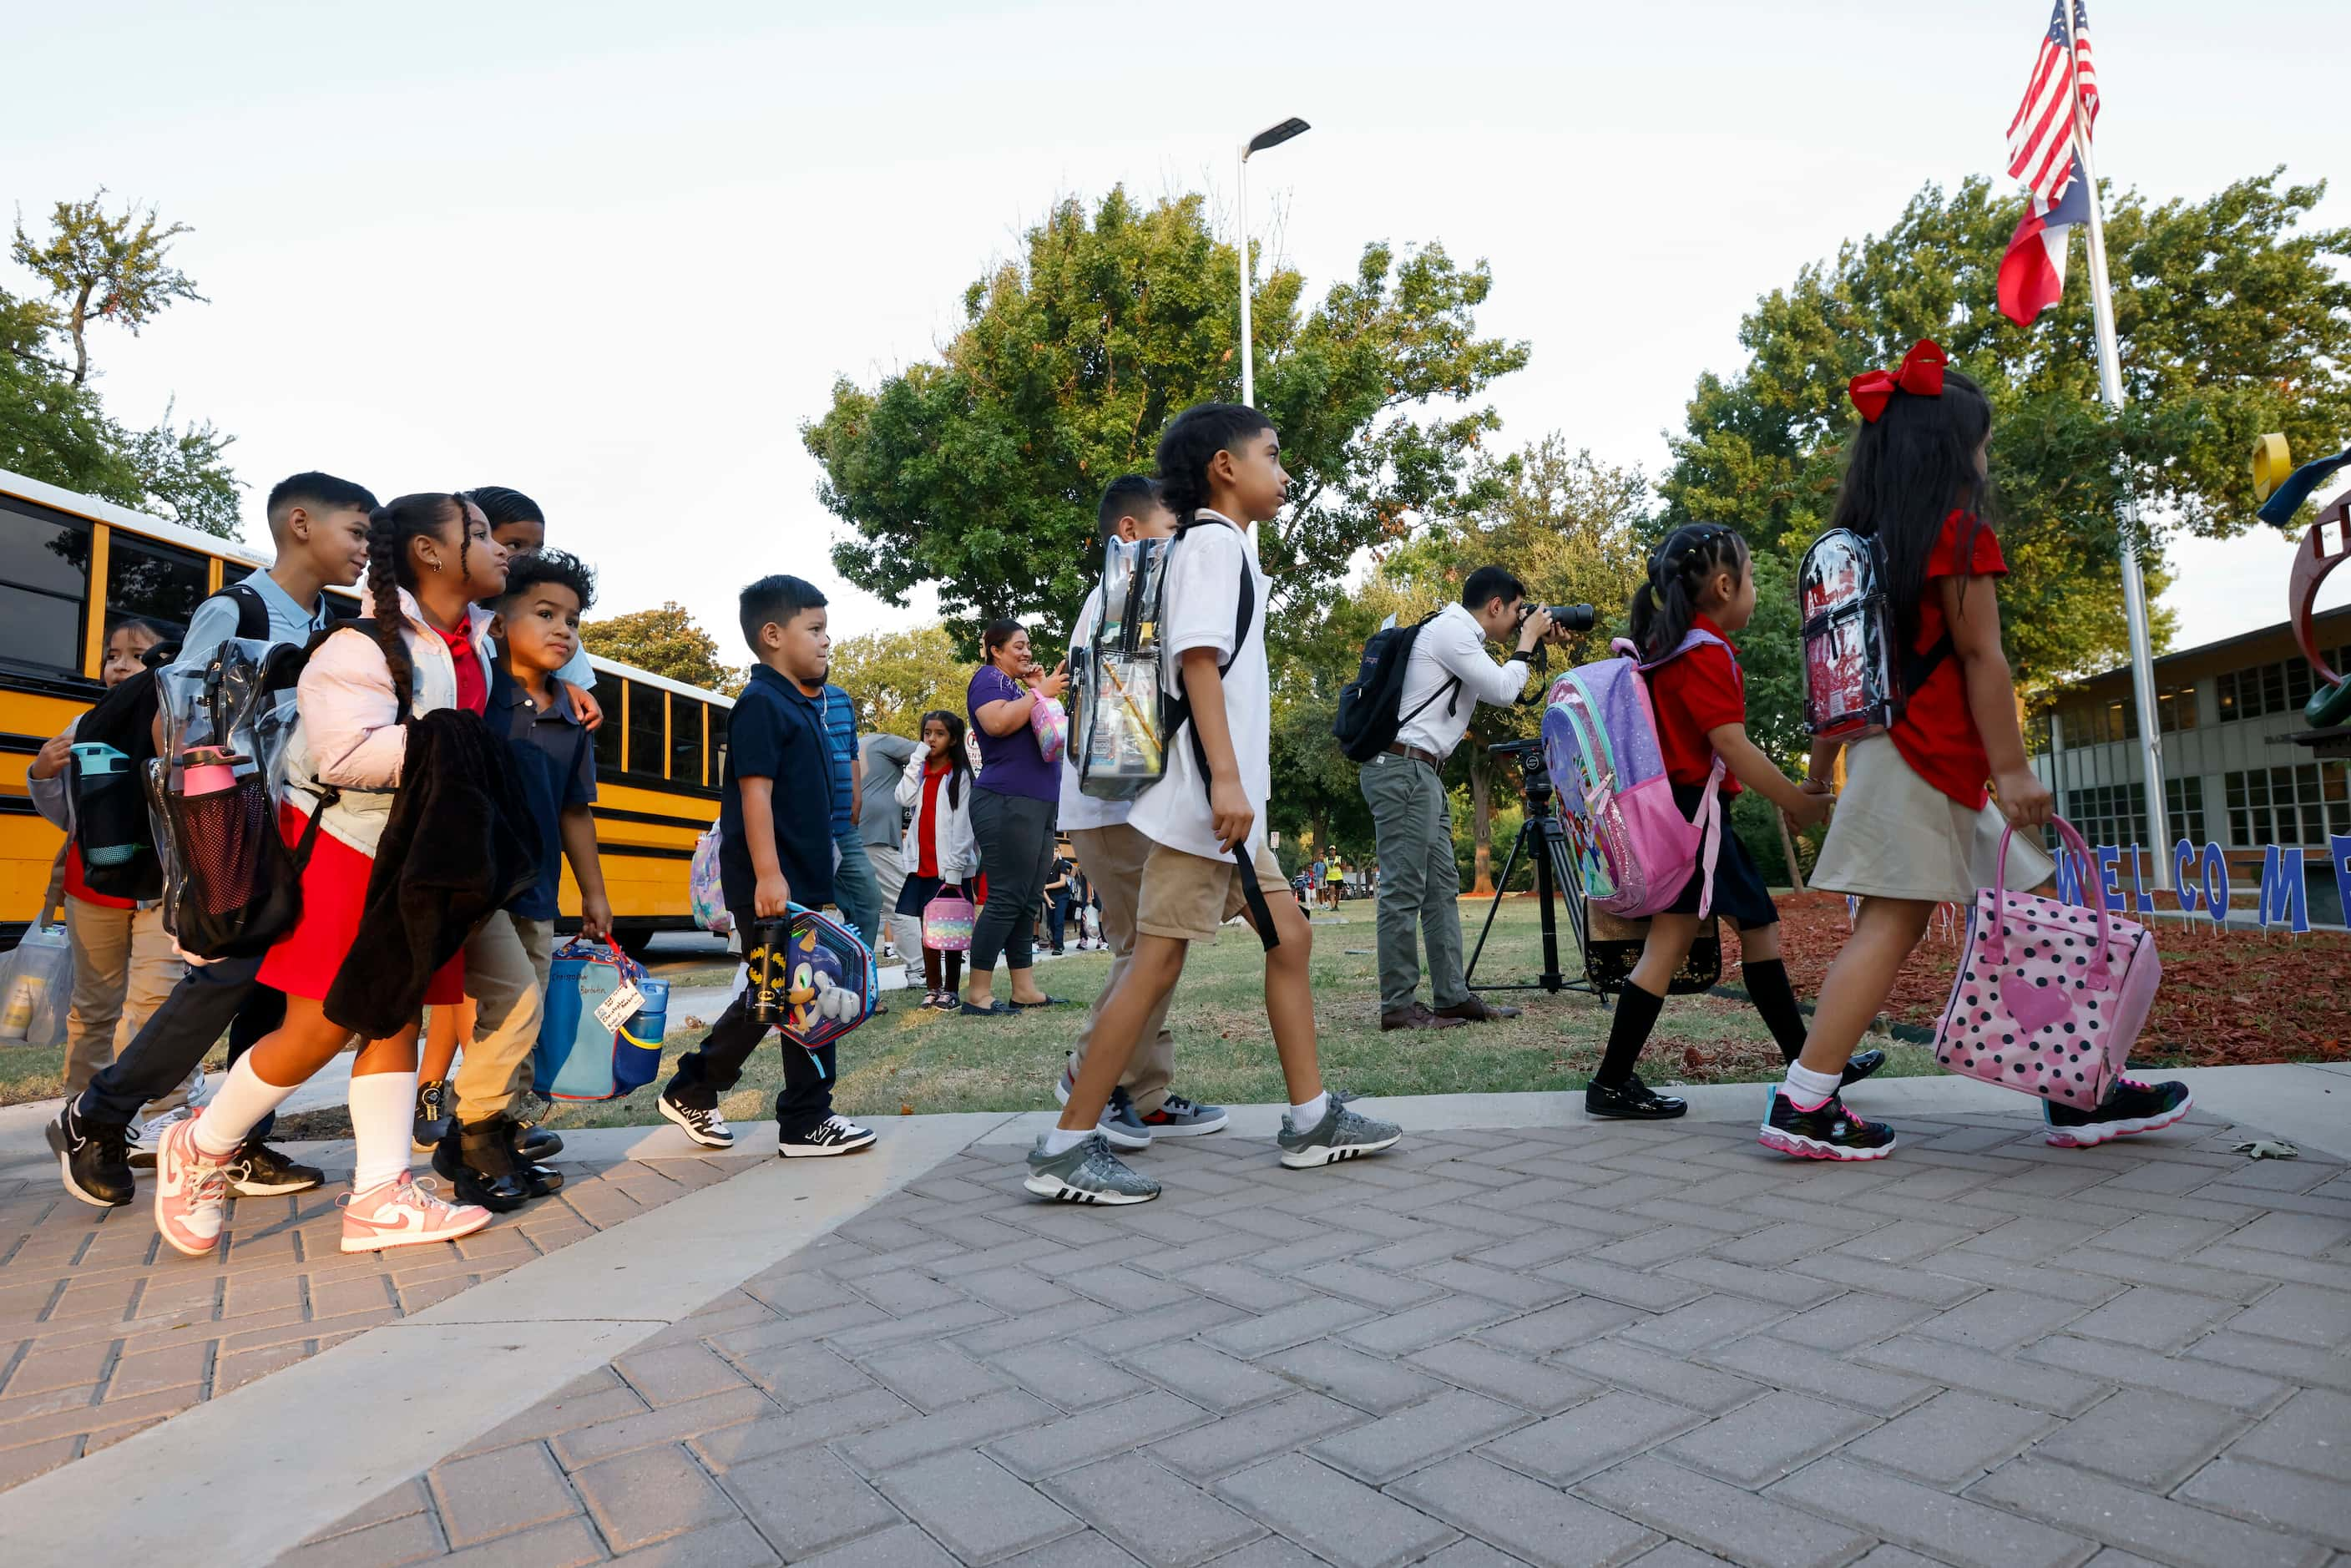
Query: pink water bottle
[(208, 770)]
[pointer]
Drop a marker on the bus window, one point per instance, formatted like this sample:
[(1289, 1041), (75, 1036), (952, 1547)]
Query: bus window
[(44, 589), (648, 740), (154, 582), (685, 740), (608, 733)]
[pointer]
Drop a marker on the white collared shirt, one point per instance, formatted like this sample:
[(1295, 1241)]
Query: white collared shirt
[(1452, 645)]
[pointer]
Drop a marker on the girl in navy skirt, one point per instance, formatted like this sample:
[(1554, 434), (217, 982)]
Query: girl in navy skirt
[(1701, 580)]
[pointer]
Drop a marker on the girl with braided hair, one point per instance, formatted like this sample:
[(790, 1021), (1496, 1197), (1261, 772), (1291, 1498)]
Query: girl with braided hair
[(1701, 588), (430, 557)]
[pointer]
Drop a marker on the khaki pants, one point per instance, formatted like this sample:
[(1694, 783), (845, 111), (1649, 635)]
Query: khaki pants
[(1113, 860), (506, 965), (124, 966)]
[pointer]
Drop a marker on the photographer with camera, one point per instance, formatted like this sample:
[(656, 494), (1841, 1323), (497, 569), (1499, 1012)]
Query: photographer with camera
[(1446, 674)]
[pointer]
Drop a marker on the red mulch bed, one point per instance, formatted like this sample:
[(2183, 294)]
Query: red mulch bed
[(2228, 997)]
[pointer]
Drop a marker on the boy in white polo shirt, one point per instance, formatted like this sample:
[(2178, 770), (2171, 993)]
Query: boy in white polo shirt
[(1219, 470)]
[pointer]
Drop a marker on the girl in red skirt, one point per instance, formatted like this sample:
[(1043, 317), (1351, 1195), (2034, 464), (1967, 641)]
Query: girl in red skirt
[(430, 557)]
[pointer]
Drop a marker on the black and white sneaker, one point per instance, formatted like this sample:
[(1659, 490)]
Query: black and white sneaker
[(1826, 1131), (93, 1158), (707, 1128), (260, 1171), (833, 1135), (2130, 1107)]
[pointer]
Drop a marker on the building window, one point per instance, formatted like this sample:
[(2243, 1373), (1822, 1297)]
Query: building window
[(2185, 798), (648, 737), (2109, 813), (2292, 805), (2266, 689), (43, 589), (2094, 724), (685, 740), (2175, 709), (153, 582)]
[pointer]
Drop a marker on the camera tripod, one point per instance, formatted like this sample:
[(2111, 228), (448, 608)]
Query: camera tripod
[(1545, 841)]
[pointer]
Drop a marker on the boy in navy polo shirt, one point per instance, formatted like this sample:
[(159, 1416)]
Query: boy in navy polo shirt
[(775, 848)]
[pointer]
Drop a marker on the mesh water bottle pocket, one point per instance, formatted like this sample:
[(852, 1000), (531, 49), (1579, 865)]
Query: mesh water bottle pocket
[(239, 889)]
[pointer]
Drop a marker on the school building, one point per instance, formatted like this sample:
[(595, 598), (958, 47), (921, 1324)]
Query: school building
[(2231, 775)]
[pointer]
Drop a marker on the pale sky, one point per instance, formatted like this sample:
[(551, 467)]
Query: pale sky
[(614, 254)]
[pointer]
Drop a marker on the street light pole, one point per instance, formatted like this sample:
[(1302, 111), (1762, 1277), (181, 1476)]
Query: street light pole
[(1271, 136)]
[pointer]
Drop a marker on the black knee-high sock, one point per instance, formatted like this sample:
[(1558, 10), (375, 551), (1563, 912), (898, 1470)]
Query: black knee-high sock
[(1775, 1001), (931, 956), (955, 971), (1636, 1015)]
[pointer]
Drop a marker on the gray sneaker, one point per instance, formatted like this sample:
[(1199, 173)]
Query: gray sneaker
[(1086, 1172), (1180, 1118), (1341, 1134), (1121, 1125)]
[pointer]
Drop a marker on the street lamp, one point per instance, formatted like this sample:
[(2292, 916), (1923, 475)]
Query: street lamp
[(1271, 136)]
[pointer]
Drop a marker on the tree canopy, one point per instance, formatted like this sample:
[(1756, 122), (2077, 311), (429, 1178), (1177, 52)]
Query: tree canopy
[(898, 676), (99, 268), (981, 470), (2231, 320), (666, 641)]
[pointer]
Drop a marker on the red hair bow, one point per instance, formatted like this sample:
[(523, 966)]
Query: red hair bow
[(1920, 374)]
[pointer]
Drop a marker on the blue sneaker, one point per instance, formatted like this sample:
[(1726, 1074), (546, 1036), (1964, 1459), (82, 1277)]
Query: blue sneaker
[(2130, 1107), (1180, 1118)]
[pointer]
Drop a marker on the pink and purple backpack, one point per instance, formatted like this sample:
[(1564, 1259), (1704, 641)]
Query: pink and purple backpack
[(1600, 742)]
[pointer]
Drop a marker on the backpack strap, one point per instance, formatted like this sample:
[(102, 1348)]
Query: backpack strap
[(1452, 685), (252, 610), (1261, 915)]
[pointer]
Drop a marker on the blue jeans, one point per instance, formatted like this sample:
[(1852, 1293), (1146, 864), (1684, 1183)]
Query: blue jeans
[(854, 889)]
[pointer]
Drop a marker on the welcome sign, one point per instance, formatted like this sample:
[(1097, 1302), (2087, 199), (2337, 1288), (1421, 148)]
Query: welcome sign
[(2200, 881)]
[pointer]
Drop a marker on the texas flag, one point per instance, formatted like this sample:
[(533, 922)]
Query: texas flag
[(2033, 273)]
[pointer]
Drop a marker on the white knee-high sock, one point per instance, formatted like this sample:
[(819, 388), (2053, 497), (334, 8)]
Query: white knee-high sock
[(244, 1098), (383, 1114)]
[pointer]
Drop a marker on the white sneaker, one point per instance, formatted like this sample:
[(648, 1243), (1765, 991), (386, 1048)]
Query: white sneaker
[(401, 1213), (833, 1135), (150, 1136), (707, 1128)]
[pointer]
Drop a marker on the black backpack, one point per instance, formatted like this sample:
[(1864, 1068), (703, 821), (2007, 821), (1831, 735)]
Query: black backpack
[(109, 810), (1370, 705)]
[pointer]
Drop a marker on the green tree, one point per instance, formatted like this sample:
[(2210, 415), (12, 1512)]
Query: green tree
[(2232, 319), (665, 641), (980, 470), (53, 425), (898, 676)]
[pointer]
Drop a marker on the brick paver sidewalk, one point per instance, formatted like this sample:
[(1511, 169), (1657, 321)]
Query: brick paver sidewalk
[(1571, 1346), (104, 1330)]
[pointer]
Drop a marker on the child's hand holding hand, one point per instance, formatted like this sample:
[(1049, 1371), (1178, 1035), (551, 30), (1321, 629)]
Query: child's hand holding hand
[(770, 897), (2023, 799), (1812, 806)]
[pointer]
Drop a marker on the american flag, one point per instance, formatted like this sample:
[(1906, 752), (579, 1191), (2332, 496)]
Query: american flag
[(2040, 137)]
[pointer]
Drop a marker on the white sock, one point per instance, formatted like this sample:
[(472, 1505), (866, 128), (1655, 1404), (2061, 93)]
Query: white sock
[(384, 1117), (1061, 1140), (1807, 1090), (1307, 1117), (244, 1098)]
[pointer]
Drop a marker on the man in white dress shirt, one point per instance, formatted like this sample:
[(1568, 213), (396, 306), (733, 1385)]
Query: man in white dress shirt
[(1448, 675)]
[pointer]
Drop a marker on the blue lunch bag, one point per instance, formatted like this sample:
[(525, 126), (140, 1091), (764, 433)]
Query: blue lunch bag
[(577, 1057)]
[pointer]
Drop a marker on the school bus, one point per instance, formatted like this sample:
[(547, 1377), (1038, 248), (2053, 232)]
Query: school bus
[(73, 567)]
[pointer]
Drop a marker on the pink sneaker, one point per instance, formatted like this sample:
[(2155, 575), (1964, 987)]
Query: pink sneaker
[(398, 1213), (191, 1190)]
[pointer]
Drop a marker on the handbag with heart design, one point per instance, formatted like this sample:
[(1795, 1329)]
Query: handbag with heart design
[(2047, 997)]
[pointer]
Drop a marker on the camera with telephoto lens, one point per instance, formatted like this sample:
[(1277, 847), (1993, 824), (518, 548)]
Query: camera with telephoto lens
[(1564, 617)]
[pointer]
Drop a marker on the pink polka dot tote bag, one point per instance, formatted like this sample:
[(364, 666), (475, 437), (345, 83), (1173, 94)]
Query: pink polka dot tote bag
[(2047, 997)]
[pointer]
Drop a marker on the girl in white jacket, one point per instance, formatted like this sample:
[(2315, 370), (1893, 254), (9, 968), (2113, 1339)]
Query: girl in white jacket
[(939, 852)]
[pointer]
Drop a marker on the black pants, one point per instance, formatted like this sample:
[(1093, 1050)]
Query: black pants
[(1016, 851), (210, 998), (1057, 916), (716, 1065)]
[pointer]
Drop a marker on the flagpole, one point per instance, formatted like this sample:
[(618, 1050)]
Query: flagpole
[(2110, 385)]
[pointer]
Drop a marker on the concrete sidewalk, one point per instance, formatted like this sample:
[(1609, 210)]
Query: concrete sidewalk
[(1520, 1338)]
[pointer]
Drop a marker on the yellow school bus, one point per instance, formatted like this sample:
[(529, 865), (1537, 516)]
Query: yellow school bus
[(73, 567)]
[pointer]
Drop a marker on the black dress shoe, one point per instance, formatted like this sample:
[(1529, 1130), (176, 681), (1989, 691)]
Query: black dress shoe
[(540, 1179), (536, 1143), (1862, 1065), (477, 1161), (1631, 1101)]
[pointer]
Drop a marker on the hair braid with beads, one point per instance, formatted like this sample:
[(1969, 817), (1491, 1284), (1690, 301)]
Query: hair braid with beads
[(389, 529)]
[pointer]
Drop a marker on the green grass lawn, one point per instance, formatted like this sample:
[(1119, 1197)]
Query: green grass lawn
[(910, 1061)]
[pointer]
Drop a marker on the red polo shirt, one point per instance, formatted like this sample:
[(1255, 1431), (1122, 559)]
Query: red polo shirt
[(1693, 695), (1937, 734)]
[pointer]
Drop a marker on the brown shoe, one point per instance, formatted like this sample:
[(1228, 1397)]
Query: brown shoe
[(1417, 1016), (1478, 1009)]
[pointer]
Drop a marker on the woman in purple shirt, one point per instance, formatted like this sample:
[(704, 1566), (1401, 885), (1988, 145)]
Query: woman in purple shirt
[(1013, 803)]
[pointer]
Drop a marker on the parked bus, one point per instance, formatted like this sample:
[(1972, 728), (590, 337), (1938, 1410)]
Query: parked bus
[(73, 567)]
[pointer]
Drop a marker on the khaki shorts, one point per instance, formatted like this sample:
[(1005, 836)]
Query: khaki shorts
[(1186, 897), (1894, 835)]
